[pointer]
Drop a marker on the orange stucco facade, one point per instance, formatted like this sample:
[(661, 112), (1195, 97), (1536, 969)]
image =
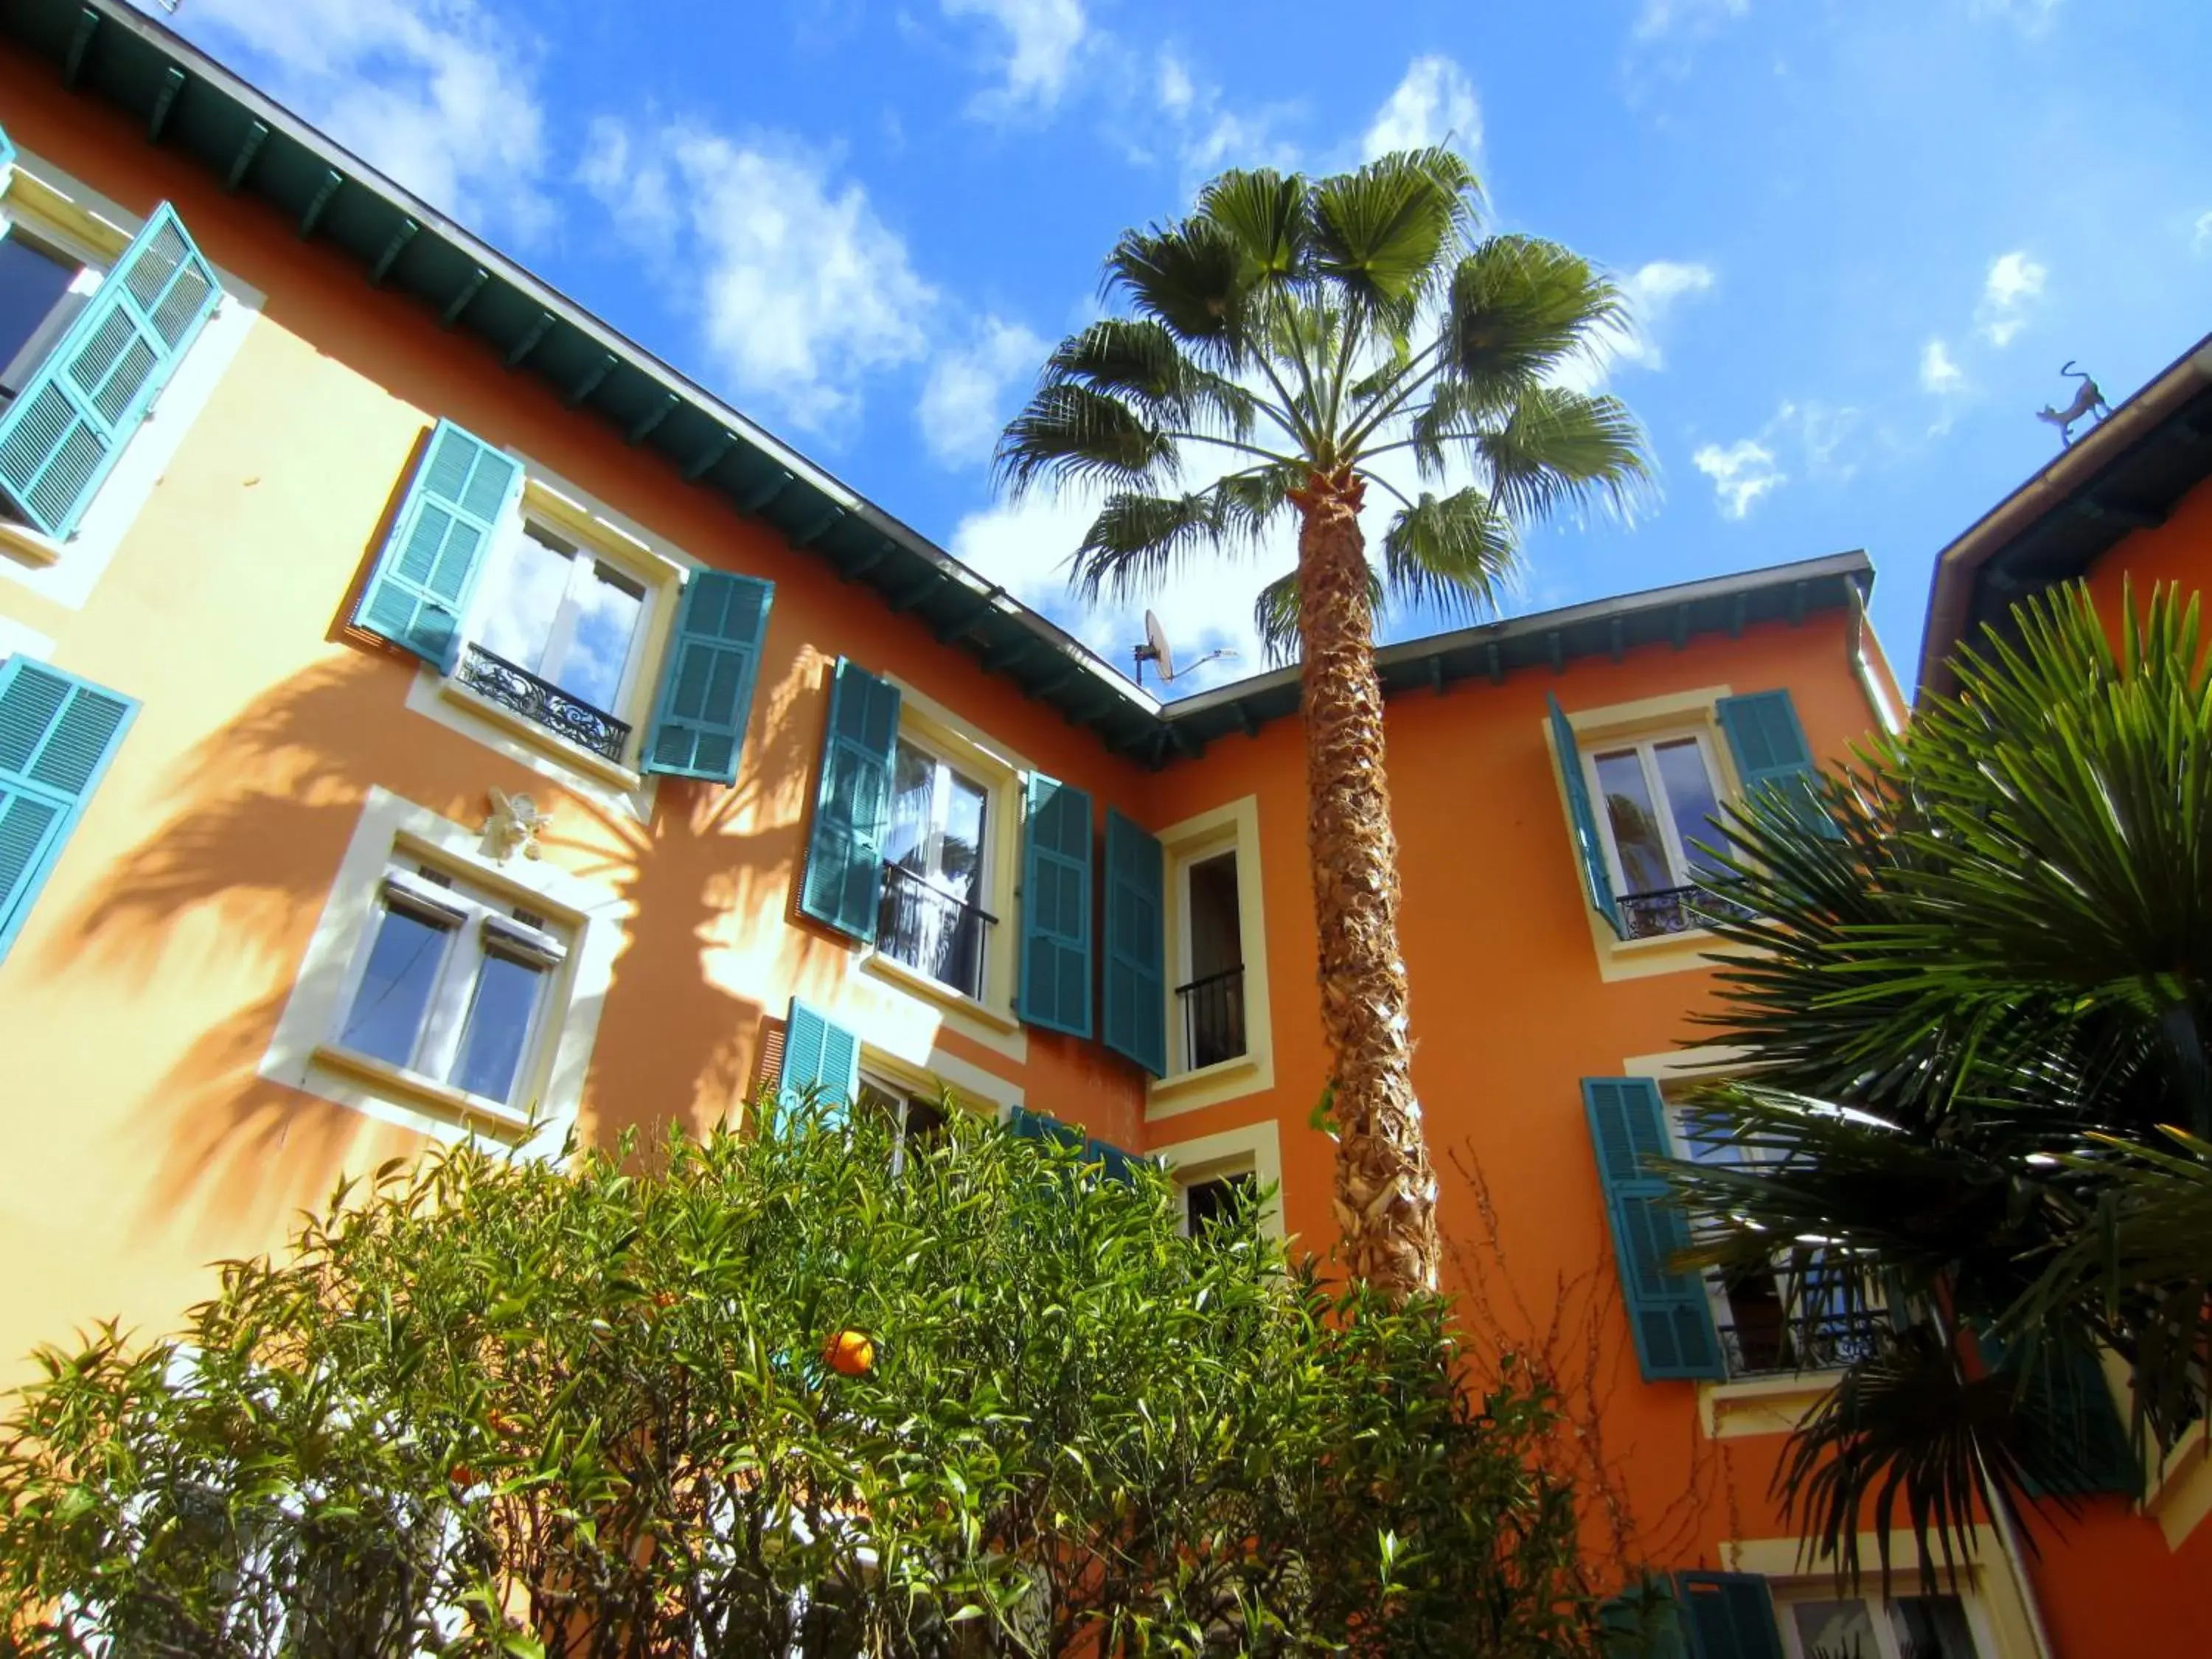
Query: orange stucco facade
[(142, 1136)]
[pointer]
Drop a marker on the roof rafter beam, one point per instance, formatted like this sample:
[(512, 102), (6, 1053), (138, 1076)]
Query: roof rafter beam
[(459, 302), (902, 603), (528, 343), (1011, 651), (312, 215), (650, 422), (709, 458), (157, 119), (758, 496), (1496, 660), (88, 25), (867, 561), (593, 378), (969, 620), (821, 527), (1247, 719), (249, 147), (393, 250)]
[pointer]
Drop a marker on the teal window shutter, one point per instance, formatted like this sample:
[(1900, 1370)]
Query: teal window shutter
[(821, 1061), (1730, 1615), (1643, 1621), (67, 427), (1589, 851), (1135, 993), (2072, 1442), (1667, 1310), (462, 491), (844, 882), (707, 690), (58, 734), (1770, 752), (7, 153), (1055, 954), (1116, 1164)]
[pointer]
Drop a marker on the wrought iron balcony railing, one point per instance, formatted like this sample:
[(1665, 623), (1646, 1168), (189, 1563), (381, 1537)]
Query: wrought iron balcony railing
[(1785, 1345), (1673, 910), (511, 686), (1212, 1017), (934, 932)]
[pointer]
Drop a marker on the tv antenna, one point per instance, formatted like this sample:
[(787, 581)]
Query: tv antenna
[(1156, 652)]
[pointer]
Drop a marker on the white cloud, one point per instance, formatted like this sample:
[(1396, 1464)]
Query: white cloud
[(1176, 87), (1661, 17), (431, 92), (2013, 285), (1938, 374), (799, 287), (1742, 473), (2032, 15), (1206, 604), (1041, 39), (2200, 240), (1434, 104), (1651, 291), (964, 404)]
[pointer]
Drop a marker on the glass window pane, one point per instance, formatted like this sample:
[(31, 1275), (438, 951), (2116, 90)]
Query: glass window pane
[(914, 776), (1931, 1627), (1637, 837), (387, 1018), (1836, 1630), (1690, 797), (959, 860), (607, 612), (499, 1020), (524, 579), (33, 281)]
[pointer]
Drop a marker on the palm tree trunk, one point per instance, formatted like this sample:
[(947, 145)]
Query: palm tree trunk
[(1385, 1198)]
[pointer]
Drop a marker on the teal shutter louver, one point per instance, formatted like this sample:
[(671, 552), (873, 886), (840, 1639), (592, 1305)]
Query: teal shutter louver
[(1055, 955), (462, 491), (1730, 1615), (844, 881), (1771, 752), (1135, 945), (1667, 1310), (821, 1063), (1643, 1621), (1589, 851), (1115, 1164), (67, 427), (2072, 1442), (58, 734), (707, 691)]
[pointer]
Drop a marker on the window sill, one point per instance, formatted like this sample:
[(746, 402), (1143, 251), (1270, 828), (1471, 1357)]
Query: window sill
[(21, 541), (552, 744), (1761, 1405), (921, 984), (417, 1089), (1223, 1080)]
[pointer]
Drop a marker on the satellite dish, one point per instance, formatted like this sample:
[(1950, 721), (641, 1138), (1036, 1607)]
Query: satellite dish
[(1155, 650)]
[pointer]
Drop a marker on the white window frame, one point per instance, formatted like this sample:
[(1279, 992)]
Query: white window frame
[(885, 1083), (988, 1019), (590, 916), (437, 1047), (1643, 744), (948, 767), (1233, 828), (1787, 1597), (1987, 1581), (602, 535), (1255, 1150), (94, 230)]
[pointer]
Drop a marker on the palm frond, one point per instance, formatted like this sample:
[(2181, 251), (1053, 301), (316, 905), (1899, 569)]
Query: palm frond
[(1558, 448), (1071, 433), (1136, 540), (1191, 278), (1268, 217), (1520, 306), (1138, 361), (1383, 234), (1452, 552)]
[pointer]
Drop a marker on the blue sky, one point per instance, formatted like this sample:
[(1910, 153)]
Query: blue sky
[(1861, 235)]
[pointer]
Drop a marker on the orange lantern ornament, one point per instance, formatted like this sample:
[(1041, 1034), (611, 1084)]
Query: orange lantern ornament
[(850, 1353)]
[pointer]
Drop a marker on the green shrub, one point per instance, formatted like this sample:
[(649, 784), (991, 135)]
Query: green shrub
[(490, 1407)]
